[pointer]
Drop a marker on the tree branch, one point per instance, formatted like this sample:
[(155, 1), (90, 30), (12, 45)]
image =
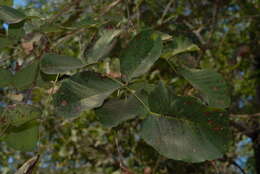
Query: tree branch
[(245, 115)]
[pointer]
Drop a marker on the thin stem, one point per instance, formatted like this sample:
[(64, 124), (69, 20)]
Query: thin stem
[(65, 9), (157, 164), (171, 65), (239, 167), (52, 90), (4, 130), (167, 8), (140, 100), (132, 92), (110, 6)]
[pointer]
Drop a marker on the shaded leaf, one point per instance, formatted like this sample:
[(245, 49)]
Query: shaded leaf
[(26, 77), (55, 64), (20, 114), (103, 46), (24, 137), (50, 28), (179, 45), (141, 54), (16, 32), (5, 78), (116, 111), (86, 22), (211, 84), (10, 15), (181, 128), (83, 91), (5, 42)]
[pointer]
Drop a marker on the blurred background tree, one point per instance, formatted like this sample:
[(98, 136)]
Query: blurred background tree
[(228, 35)]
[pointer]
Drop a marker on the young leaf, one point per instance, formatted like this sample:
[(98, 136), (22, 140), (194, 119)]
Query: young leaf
[(116, 111), (83, 91), (54, 63), (5, 78), (103, 46), (143, 51), (10, 15), (211, 84), (24, 137), (26, 76), (178, 46), (184, 129)]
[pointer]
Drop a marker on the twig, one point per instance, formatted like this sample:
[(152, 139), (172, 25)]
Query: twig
[(242, 128), (64, 10), (157, 164), (196, 32), (239, 167), (68, 36), (167, 8), (110, 6), (245, 115)]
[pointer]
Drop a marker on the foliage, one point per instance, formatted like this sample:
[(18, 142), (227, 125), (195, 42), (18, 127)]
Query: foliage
[(100, 86)]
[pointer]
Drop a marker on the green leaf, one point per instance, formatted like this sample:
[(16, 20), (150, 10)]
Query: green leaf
[(86, 22), (143, 51), (50, 28), (181, 128), (103, 46), (178, 46), (16, 32), (5, 42), (55, 64), (10, 15), (211, 84), (116, 111), (5, 78), (6, 2), (20, 115), (23, 138), (26, 77), (83, 91)]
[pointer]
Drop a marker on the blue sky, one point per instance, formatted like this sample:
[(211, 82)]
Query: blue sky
[(19, 2)]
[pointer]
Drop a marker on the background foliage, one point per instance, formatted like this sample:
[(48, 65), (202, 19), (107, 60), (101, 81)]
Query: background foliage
[(193, 53)]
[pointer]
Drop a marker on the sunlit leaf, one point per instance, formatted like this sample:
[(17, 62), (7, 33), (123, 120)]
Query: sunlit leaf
[(54, 63), (28, 166), (10, 15), (103, 46)]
